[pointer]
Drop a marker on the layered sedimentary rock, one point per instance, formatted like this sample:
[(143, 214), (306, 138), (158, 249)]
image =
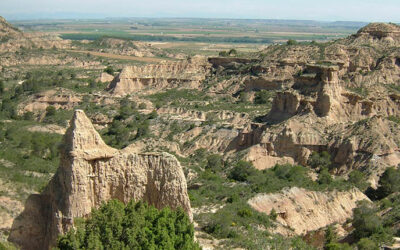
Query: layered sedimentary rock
[(354, 130), (338, 99), (90, 173), (301, 211), (188, 74)]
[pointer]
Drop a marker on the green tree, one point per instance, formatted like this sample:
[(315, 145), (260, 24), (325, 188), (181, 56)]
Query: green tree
[(365, 220), (357, 178), (132, 226), (241, 171), (338, 246), (320, 160), (291, 42), (262, 97), (214, 162), (367, 244), (1, 87), (109, 70), (330, 235), (324, 177), (389, 182), (50, 111), (232, 52)]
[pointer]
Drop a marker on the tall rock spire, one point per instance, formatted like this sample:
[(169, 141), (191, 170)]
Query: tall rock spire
[(91, 173)]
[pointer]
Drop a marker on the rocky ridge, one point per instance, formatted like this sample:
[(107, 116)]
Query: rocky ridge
[(185, 74), (90, 173), (323, 105)]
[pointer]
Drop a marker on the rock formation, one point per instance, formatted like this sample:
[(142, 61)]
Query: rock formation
[(301, 211), (105, 77), (338, 98), (90, 173), (188, 74)]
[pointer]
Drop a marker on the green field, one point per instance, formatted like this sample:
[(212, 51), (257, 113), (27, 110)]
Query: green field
[(194, 30)]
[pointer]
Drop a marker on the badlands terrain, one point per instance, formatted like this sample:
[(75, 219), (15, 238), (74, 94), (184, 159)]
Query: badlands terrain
[(287, 145)]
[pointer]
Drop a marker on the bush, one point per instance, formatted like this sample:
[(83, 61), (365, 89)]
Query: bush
[(223, 53), (320, 160), (109, 70), (142, 105), (324, 177), (338, 246), (214, 162), (262, 97), (50, 111), (367, 244), (1, 87), (134, 226), (365, 221), (389, 182), (291, 42), (358, 179), (241, 171)]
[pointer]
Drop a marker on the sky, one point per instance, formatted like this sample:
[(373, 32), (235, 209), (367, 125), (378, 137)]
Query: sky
[(322, 10)]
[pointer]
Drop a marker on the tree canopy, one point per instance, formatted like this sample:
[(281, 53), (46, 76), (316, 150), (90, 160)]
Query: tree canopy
[(132, 226)]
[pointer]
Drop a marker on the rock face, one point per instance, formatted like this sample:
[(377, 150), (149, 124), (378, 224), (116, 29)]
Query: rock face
[(90, 173), (341, 99), (380, 31), (187, 74), (301, 211)]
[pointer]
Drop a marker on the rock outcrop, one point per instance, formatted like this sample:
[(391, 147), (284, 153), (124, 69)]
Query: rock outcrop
[(187, 74), (90, 173), (105, 77), (339, 98), (300, 211), (388, 32)]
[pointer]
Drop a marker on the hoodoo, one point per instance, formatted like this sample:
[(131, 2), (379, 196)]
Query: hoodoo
[(90, 173)]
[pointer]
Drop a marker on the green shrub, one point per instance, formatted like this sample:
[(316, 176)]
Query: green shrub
[(50, 111), (223, 53), (1, 87), (273, 214), (320, 160), (324, 177), (365, 221), (358, 179), (142, 105), (134, 226), (367, 244), (241, 171), (291, 42), (109, 70), (214, 162), (262, 97), (389, 182), (338, 246)]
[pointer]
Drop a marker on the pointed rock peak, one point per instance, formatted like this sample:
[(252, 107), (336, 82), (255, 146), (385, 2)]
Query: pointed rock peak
[(83, 141)]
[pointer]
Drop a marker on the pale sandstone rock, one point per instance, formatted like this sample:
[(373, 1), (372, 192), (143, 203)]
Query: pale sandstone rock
[(90, 173), (188, 74), (304, 211), (105, 77)]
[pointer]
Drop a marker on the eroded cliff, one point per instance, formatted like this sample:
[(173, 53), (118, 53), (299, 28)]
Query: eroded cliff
[(188, 74), (90, 173), (300, 211)]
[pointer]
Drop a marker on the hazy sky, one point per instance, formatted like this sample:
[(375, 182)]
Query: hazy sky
[(332, 10)]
